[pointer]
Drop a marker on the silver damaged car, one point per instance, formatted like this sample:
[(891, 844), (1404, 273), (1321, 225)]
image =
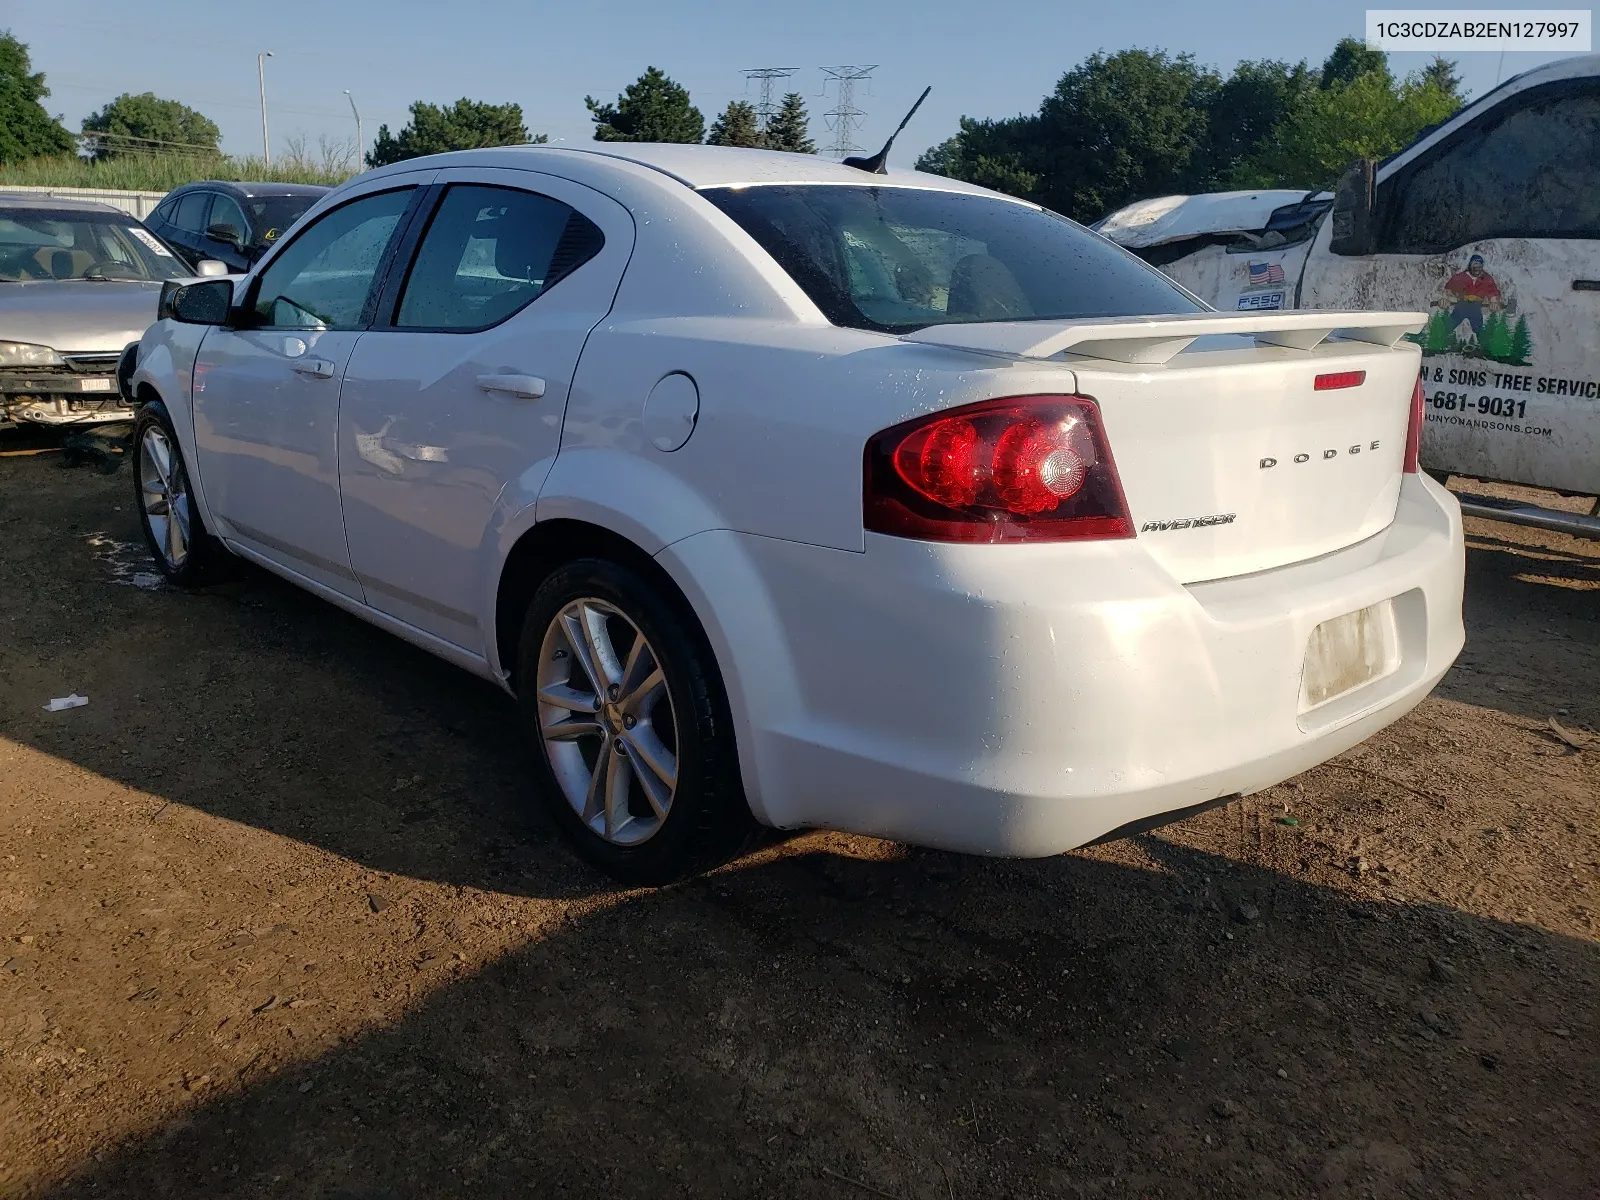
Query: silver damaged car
[(78, 282)]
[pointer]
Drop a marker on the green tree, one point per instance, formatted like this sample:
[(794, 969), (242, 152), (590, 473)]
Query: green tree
[(464, 125), (652, 109), (1331, 127), (1441, 72), (790, 127), (147, 124), (1246, 111), (735, 127), (1495, 340), (1350, 60), (1436, 337), (989, 154), (1119, 128), (1521, 350), (26, 129)]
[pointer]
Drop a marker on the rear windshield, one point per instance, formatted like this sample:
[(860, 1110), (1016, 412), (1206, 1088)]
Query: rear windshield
[(271, 216), (896, 259)]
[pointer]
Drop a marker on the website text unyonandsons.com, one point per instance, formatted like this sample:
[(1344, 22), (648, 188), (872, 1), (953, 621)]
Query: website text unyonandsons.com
[(1496, 426)]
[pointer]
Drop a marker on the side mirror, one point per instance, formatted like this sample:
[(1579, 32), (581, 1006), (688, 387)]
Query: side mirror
[(209, 268), (223, 232), (1354, 224), (204, 303)]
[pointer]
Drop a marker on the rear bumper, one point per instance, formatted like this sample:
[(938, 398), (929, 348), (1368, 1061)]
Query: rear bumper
[(1024, 700)]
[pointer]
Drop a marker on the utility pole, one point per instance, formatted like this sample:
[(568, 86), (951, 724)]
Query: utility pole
[(360, 141), (261, 76), (767, 109), (844, 118)]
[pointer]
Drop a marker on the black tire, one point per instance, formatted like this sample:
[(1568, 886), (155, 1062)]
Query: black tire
[(707, 821), (203, 555)]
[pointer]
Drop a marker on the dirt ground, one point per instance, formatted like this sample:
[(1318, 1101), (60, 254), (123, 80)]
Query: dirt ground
[(278, 919)]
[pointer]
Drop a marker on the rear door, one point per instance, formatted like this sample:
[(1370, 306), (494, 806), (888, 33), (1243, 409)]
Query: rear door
[(462, 384), (266, 392), (1494, 228), (188, 223)]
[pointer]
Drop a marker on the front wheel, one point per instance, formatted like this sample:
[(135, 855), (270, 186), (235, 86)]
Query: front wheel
[(633, 741), (184, 552)]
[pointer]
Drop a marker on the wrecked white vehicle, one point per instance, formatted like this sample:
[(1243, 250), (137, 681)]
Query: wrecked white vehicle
[(1491, 223)]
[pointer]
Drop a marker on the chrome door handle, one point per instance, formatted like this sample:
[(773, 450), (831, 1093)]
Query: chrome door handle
[(530, 386), (317, 368)]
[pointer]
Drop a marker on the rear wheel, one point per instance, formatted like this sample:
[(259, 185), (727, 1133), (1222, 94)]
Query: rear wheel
[(633, 741), (184, 552)]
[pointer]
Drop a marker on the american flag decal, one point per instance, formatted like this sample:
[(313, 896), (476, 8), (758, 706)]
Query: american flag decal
[(1265, 274)]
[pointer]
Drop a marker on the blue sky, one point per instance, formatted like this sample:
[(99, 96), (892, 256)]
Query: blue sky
[(983, 57)]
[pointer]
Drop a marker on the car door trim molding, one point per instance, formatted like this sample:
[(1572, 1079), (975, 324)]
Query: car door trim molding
[(415, 601), (342, 570)]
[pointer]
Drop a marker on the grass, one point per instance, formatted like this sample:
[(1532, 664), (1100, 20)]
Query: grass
[(163, 172)]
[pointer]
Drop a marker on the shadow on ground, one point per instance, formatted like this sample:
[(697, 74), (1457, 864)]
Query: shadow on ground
[(934, 1026), (810, 1022)]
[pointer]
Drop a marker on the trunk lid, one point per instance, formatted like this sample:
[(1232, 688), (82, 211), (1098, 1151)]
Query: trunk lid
[(1231, 459)]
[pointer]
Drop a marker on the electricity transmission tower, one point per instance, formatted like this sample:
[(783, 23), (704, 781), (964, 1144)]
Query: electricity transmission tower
[(766, 77), (844, 118)]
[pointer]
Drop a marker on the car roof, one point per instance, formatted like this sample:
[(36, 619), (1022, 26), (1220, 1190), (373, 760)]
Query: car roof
[(696, 166), (251, 191), (58, 204)]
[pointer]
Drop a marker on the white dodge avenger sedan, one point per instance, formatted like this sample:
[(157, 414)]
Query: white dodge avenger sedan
[(781, 492)]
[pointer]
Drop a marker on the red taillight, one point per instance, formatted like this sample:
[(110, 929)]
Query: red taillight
[(1338, 379), (1414, 430), (1024, 469)]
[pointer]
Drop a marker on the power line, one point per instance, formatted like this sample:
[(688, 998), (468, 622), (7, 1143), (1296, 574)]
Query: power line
[(767, 76), (844, 118)]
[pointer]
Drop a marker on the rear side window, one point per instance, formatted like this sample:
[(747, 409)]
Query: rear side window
[(897, 259), (489, 252)]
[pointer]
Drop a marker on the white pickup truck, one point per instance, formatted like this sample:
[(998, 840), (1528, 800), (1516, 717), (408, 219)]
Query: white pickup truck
[(1491, 223)]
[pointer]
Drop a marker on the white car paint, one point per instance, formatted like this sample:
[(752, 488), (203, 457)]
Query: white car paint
[(1008, 699), (1173, 218)]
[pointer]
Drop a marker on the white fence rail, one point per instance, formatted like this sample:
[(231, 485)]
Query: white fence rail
[(137, 204)]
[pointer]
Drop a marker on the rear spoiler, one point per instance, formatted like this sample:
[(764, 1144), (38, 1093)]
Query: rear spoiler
[(1151, 341)]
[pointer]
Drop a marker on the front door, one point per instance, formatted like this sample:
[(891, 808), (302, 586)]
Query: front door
[(1494, 230), (461, 385), (266, 394)]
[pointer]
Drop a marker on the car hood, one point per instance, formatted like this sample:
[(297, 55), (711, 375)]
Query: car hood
[(77, 316)]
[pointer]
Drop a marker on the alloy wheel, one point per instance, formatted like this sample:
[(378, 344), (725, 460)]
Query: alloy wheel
[(164, 491), (606, 717)]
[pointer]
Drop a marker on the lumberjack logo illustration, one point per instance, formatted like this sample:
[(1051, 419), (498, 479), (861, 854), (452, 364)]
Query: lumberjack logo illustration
[(1473, 317)]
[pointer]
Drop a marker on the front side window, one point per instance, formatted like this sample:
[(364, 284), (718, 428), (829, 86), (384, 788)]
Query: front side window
[(1529, 168), (323, 278), (226, 211), (489, 252), (896, 259)]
